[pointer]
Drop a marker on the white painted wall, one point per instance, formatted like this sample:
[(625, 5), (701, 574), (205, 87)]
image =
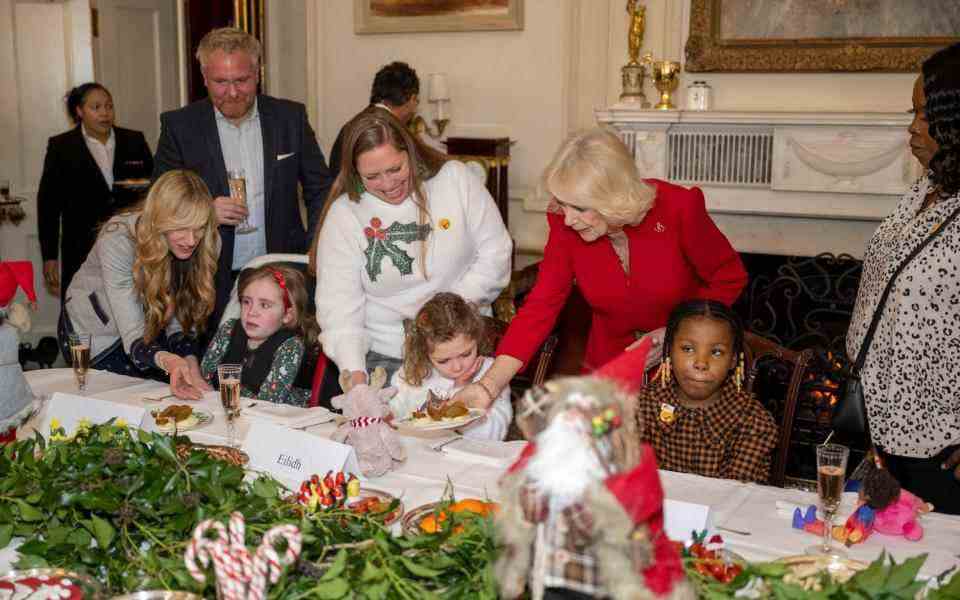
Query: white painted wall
[(45, 49), (537, 84)]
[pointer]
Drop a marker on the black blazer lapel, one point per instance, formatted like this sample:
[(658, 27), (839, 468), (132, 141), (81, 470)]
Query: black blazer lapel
[(268, 127), (82, 153), (208, 125)]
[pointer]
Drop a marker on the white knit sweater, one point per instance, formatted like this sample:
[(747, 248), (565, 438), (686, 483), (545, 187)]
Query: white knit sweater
[(492, 427), (366, 282)]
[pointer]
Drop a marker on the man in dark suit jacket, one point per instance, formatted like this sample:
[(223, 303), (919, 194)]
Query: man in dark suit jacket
[(73, 190), (270, 138)]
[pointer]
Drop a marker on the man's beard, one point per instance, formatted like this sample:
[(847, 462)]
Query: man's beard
[(565, 463)]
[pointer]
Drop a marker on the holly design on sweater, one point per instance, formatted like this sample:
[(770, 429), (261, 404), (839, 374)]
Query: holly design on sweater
[(383, 243)]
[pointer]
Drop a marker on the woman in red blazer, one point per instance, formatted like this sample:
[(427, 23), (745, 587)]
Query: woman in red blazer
[(634, 247)]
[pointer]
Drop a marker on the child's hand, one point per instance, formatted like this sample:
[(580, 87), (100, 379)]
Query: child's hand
[(467, 376), (953, 462)]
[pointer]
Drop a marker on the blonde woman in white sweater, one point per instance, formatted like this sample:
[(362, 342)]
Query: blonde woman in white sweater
[(402, 223)]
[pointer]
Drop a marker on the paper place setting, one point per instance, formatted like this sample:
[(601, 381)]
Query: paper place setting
[(486, 452), (293, 417)]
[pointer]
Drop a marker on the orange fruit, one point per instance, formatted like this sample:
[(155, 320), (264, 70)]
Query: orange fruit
[(470, 505), (431, 523)]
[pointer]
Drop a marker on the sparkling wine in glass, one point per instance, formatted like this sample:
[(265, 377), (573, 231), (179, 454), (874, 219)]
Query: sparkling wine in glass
[(831, 471), (229, 376), (238, 191), (80, 357)]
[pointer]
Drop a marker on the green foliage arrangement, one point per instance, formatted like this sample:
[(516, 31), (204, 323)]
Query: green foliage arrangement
[(119, 505), (884, 579)]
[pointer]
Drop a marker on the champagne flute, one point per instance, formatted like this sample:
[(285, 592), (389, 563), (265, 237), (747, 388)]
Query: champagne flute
[(80, 357), (831, 471), (229, 376), (238, 191)]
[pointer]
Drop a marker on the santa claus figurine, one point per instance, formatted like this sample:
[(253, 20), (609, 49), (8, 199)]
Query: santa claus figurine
[(16, 398), (582, 508)]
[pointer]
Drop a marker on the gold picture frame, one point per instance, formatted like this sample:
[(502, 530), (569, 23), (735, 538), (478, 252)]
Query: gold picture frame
[(708, 49), (411, 16)]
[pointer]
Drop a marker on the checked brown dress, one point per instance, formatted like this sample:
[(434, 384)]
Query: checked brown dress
[(731, 439)]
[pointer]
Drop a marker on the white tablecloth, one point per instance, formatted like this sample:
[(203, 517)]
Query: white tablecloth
[(422, 478)]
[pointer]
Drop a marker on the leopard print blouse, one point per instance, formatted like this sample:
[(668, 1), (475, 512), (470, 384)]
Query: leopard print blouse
[(912, 371)]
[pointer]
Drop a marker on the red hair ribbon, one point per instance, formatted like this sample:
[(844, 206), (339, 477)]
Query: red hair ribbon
[(282, 282)]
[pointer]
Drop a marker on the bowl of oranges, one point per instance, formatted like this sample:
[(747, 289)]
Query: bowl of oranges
[(446, 515)]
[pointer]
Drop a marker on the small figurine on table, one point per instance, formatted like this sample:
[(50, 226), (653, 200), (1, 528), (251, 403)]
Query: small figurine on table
[(367, 427), (582, 508), (16, 397)]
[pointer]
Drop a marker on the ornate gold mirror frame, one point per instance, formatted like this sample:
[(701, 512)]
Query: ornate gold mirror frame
[(707, 51)]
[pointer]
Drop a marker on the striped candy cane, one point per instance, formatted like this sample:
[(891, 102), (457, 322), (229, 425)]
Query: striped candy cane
[(267, 564)]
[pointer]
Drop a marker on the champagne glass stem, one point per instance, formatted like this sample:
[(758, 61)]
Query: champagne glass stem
[(827, 530)]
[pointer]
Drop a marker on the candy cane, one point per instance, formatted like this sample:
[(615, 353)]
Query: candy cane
[(200, 546), (267, 565)]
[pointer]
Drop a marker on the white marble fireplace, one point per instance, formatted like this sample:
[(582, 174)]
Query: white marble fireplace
[(788, 183)]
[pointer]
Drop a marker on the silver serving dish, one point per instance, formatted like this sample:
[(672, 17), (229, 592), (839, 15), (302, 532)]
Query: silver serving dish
[(91, 588), (158, 595)]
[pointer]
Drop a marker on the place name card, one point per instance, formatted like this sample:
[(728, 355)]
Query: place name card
[(70, 409), (291, 456), (681, 519)]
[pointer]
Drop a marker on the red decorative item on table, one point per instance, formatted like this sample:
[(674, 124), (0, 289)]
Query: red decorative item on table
[(16, 397)]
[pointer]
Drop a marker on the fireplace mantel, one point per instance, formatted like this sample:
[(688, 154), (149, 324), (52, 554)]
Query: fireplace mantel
[(791, 183)]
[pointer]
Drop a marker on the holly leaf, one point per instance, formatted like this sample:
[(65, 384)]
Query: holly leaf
[(330, 590), (103, 532), (905, 573), (417, 569), (871, 579), (30, 561), (28, 512), (338, 566), (265, 487), (6, 533)]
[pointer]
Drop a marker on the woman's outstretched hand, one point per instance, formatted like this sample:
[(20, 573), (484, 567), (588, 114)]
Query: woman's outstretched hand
[(656, 347), (182, 383), (473, 396)]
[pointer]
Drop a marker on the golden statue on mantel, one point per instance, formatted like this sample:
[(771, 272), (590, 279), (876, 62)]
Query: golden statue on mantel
[(638, 17)]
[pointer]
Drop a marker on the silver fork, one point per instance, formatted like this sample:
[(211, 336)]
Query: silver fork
[(439, 447)]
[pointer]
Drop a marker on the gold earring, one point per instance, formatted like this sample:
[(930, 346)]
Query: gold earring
[(664, 372), (738, 374)]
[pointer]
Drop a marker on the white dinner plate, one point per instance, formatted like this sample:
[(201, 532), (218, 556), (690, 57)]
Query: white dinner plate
[(428, 424)]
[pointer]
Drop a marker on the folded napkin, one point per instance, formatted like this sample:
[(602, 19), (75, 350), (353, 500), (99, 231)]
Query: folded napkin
[(284, 414), (486, 452), (293, 417)]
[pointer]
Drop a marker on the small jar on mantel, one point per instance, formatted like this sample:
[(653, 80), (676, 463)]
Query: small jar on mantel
[(699, 96)]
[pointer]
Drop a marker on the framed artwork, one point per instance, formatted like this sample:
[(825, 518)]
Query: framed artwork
[(818, 35), (406, 16)]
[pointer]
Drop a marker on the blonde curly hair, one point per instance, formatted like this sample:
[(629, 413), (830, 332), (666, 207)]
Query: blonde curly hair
[(441, 319), (593, 169), (168, 286)]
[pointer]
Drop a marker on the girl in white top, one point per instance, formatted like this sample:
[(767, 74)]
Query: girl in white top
[(404, 224), (440, 355)]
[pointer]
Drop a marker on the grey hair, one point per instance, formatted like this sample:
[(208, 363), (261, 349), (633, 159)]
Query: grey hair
[(229, 39)]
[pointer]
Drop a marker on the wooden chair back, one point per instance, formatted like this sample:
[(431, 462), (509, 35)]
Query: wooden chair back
[(787, 367)]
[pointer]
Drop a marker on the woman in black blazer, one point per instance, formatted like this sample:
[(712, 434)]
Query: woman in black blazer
[(77, 186)]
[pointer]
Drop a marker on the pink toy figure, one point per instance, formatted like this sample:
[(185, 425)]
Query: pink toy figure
[(895, 509), (367, 427)]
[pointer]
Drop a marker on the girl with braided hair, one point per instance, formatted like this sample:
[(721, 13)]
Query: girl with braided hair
[(270, 337), (442, 353), (695, 414)]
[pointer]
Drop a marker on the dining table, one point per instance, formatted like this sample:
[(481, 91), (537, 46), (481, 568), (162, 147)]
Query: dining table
[(754, 520)]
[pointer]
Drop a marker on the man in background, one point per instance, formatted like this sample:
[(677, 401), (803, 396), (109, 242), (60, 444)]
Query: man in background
[(395, 88), (268, 138)]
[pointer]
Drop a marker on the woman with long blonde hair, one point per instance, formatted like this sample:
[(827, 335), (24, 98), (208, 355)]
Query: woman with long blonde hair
[(146, 289)]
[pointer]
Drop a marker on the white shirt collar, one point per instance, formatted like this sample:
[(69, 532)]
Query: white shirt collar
[(253, 115), (111, 139)]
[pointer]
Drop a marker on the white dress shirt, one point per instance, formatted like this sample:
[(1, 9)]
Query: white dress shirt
[(102, 153), (242, 147)]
